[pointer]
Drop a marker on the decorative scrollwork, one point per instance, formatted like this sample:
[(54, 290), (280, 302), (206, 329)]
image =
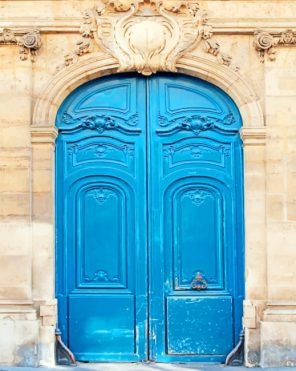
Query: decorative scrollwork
[(101, 123), (29, 42), (146, 36), (194, 123), (266, 42), (84, 43)]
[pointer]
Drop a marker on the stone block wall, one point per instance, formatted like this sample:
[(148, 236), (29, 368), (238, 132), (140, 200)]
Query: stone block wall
[(27, 135)]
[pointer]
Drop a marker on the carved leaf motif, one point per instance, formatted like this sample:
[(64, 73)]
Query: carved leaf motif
[(7, 37), (198, 196), (101, 150), (149, 36), (101, 195), (67, 119), (100, 123), (195, 123), (100, 276), (29, 43)]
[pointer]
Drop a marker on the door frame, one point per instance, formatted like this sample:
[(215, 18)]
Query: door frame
[(44, 132)]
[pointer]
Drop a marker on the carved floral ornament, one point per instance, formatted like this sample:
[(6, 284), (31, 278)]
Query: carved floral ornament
[(265, 43), (29, 42), (146, 35)]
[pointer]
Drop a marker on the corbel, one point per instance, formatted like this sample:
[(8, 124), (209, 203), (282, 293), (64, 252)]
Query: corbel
[(29, 41), (265, 42)]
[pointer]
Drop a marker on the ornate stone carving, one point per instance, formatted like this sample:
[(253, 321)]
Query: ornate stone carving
[(147, 35), (83, 45), (265, 42), (29, 42), (7, 37)]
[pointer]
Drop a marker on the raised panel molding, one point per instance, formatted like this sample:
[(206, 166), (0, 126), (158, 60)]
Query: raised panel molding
[(101, 255), (118, 153), (206, 235), (188, 153)]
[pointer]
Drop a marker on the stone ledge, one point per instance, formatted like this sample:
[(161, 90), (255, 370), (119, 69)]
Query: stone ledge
[(18, 313), (253, 136), (43, 134)]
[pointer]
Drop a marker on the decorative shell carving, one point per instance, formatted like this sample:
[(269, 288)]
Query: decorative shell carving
[(146, 35)]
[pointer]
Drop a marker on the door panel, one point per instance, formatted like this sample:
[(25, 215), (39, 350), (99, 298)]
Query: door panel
[(193, 326), (101, 325), (149, 220), (194, 221), (101, 161), (197, 235)]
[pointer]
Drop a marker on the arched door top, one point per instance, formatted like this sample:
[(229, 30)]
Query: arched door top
[(101, 64), (106, 103)]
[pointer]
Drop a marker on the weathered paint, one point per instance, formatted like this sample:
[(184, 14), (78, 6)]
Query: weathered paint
[(149, 196)]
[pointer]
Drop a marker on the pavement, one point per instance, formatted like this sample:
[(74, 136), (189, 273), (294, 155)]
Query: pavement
[(143, 367)]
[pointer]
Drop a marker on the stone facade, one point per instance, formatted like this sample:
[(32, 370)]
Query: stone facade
[(48, 48)]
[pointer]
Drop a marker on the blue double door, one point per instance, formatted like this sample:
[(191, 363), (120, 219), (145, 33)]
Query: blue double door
[(149, 220)]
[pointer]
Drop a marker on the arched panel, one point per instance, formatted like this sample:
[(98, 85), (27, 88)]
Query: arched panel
[(194, 107), (197, 235), (102, 238), (110, 105)]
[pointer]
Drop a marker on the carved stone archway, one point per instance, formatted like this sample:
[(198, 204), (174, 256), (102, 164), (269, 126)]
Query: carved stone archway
[(101, 64), (97, 64)]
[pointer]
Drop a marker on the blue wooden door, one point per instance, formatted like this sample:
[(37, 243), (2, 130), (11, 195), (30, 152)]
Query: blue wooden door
[(149, 220), (196, 220)]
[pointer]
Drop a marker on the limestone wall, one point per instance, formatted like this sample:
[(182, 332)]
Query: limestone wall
[(27, 300)]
